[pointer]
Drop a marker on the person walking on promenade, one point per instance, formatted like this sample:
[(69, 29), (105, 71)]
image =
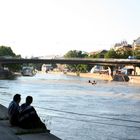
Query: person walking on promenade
[(28, 117), (13, 110)]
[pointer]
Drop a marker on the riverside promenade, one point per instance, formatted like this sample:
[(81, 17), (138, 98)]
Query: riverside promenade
[(7, 132)]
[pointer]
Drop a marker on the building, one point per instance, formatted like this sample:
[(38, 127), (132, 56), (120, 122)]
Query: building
[(101, 53), (136, 44), (123, 46)]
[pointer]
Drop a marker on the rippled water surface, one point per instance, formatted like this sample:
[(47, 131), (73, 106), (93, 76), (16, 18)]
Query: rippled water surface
[(75, 110)]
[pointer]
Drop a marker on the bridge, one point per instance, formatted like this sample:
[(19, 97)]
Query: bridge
[(112, 63), (109, 62)]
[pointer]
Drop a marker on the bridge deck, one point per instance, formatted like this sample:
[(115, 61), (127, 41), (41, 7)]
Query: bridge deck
[(72, 61)]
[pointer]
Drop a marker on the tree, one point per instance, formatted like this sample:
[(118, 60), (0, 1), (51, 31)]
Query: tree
[(6, 52), (94, 56), (136, 54), (78, 67), (99, 54), (124, 54), (111, 54), (75, 54)]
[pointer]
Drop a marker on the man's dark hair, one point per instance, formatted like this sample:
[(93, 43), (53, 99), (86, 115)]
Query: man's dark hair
[(16, 97), (29, 100)]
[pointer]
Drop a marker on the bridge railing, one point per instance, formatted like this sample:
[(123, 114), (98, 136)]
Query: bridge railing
[(70, 61)]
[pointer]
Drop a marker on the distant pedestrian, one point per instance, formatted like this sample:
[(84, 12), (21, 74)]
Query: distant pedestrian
[(94, 82), (13, 110), (89, 81)]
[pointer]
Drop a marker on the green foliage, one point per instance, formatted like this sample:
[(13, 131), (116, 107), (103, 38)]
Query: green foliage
[(78, 67), (111, 54), (7, 52), (75, 54), (94, 56), (120, 54), (99, 55), (82, 68), (124, 54), (136, 53)]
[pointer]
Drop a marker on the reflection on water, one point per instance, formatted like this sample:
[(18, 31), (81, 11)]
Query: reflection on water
[(76, 110)]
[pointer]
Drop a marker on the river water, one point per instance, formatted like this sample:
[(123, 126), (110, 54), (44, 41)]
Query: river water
[(74, 109)]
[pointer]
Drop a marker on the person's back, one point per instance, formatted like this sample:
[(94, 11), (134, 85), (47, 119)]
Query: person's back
[(13, 110), (28, 117)]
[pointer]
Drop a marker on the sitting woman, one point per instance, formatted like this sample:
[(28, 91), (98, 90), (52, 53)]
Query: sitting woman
[(28, 117)]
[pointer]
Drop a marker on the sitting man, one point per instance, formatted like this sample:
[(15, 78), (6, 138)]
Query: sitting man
[(28, 117), (13, 110)]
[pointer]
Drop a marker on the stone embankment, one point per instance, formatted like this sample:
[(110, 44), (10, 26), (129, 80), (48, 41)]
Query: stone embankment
[(7, 132), (132, 79), (87, 75), (96, 76)]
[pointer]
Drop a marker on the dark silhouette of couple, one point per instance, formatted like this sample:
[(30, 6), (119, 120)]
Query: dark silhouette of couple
[(24, 116)]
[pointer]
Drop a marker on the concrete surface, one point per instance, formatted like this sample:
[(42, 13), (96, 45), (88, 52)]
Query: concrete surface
[(41, 136), (3, 113), (8, 132)]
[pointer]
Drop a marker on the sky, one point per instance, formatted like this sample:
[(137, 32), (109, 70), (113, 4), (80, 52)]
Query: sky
[(54, 27)]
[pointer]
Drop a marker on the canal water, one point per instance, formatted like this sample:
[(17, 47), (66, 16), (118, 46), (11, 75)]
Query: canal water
[(74, 109)]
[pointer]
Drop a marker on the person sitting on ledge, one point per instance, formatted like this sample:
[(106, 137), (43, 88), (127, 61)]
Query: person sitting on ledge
[(28, 118), (13, 110)]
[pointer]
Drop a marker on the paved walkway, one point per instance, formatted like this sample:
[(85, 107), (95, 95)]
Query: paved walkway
[(7, 132)]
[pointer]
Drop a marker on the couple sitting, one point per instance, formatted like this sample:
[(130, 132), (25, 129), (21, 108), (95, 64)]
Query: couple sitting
[(24, 116)]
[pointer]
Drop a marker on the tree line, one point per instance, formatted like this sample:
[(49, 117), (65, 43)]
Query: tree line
[(7, 52)]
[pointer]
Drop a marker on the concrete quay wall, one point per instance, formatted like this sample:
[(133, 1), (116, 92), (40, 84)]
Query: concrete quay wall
[(132, 79)]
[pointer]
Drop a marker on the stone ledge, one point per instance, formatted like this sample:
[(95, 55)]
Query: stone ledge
[(8, 132), (16, 133), (3, 113), (20, 131)]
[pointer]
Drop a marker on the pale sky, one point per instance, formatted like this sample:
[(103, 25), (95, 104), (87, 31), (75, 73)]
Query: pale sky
[(53, 27)]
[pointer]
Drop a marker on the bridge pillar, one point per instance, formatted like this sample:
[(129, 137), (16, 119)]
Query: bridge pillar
[(111, 70), (134, 70)]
